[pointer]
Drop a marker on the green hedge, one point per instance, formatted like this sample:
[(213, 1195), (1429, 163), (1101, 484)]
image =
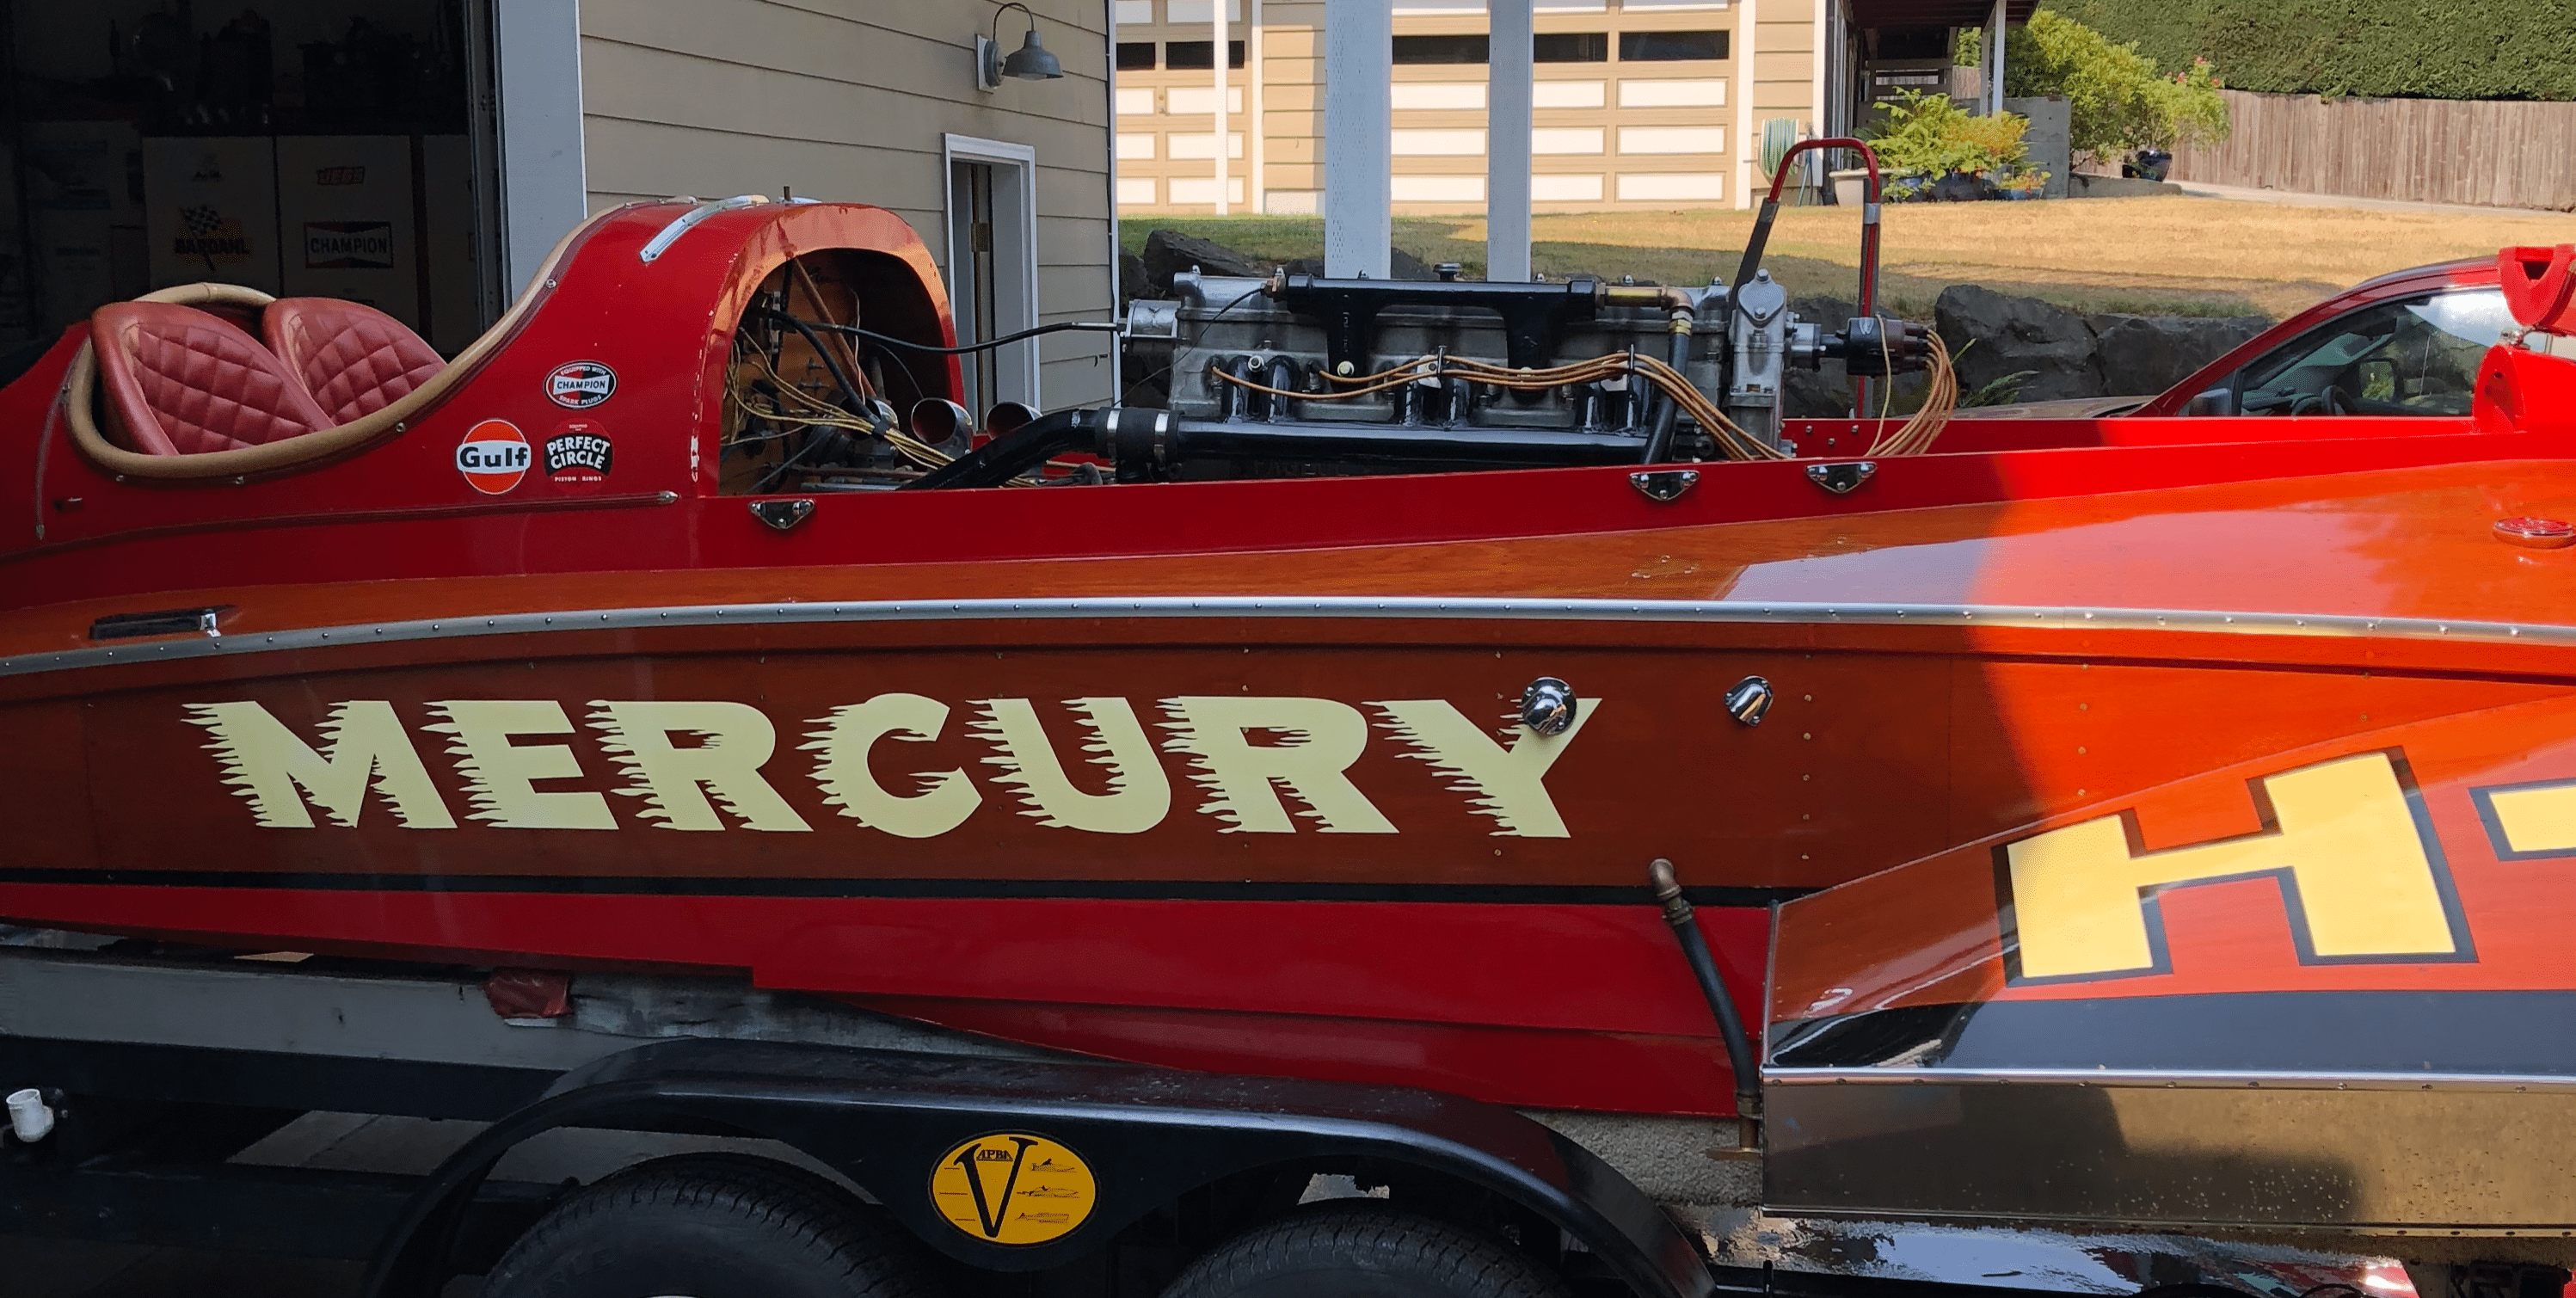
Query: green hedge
[(2432, 49)]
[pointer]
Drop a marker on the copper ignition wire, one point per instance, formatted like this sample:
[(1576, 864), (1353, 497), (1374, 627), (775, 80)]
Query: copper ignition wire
[(1940, 401), (1732, 439), (1941, 397), (816, 412), (819, 413)]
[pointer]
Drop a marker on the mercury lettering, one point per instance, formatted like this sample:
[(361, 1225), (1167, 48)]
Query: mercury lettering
[(1261, 764)]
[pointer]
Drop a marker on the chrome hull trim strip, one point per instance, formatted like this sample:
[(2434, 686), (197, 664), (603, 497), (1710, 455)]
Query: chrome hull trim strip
[(2108, 1078), (1400, 607)]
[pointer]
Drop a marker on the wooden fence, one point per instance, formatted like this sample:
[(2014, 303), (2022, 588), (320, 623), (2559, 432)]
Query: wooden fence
[(2501, 153)]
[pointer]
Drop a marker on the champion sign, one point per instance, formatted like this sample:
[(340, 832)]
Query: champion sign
[(348, 245), (494, 456), (580, 385)]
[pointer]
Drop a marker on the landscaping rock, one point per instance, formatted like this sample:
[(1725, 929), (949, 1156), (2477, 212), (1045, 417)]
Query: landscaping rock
[(2107, 355), (1133, 281), (2141, 355), (1993, 334), (1399, 265), (1169, 252)]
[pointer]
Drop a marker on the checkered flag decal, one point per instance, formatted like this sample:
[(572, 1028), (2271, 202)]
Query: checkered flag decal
[(201, 220)]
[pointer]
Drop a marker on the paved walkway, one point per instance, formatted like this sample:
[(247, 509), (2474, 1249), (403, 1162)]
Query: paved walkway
[(2243, 194)]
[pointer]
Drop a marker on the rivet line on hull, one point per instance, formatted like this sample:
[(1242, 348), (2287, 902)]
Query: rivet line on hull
[(2168, 1079), (1566, 610)]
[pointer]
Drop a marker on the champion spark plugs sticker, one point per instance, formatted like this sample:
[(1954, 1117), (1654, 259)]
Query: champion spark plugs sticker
[(581, 385), (493, 457)]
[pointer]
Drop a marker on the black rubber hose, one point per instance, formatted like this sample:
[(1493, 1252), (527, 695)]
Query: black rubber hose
[(1730, 1025), (849, 390), (1659, 443), (889, 340), (1007, 457), (1426, 448), (1753, 249)]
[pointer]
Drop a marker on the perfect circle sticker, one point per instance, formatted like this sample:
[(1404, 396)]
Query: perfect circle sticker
[(1013, 1188), (493, 457)]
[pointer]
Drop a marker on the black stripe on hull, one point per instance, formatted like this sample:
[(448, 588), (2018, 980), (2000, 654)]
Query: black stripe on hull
[(2398, 1032)]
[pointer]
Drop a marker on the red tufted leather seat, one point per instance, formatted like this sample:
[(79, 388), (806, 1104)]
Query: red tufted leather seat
[(180, 381), (354, 359)]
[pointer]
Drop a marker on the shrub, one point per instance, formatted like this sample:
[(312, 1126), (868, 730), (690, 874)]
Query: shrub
[(2117, 99), (1929, 134)]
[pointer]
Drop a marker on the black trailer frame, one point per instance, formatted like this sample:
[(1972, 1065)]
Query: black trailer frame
[(154, 1098)]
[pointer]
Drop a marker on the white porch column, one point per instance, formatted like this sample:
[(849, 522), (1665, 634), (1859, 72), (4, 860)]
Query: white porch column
[(1223, 30), (1359, 161), (1507, 143), (1255, 154), (1995, 58)]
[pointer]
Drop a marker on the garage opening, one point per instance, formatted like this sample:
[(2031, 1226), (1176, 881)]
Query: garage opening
[(326, 148)]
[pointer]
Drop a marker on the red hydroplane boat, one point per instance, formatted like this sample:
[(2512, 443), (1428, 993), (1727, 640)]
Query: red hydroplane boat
[(1321, 722)]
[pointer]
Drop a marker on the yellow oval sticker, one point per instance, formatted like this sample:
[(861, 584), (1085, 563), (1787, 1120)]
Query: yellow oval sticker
[(1013, 1188)]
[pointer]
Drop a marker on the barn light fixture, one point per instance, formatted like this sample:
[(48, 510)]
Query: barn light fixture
[(1030, 62)]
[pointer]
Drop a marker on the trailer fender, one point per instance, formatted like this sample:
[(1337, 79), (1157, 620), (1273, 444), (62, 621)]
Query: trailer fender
[(1014, 1165)]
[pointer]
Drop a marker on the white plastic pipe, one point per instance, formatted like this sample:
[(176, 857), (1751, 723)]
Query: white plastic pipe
[(28, 1115)]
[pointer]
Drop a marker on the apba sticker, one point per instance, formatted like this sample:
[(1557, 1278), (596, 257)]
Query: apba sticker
[(494, 456), (581, 385)]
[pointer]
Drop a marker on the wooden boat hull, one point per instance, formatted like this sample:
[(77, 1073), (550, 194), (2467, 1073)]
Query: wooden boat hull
[(1293, 834)]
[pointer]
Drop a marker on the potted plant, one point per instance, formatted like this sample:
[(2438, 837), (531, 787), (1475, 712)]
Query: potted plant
[(2024, 184), (1953, 155), (1905, 187)]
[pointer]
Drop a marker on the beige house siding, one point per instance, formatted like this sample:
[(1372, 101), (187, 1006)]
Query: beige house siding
[(850, 100), (1786, 73), (1600, 144)]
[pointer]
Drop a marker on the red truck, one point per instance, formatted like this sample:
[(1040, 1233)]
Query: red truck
[(2405, 343)]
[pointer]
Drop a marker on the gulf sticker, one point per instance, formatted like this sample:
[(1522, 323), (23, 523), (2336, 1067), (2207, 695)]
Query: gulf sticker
[(1013, 1188), (493, 456)]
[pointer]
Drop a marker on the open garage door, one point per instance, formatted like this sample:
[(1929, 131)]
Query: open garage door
[(301, 147)]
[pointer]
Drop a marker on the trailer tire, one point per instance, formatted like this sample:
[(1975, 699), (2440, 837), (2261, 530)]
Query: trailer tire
[(710, 1226), (1363, 1250)]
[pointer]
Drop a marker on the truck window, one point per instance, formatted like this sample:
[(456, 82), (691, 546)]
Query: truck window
[(2413, 356)]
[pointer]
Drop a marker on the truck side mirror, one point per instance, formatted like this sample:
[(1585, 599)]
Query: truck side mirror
[(2378, 380)]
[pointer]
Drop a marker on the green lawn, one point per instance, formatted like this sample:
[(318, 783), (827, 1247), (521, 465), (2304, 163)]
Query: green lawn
[(2171, 255)]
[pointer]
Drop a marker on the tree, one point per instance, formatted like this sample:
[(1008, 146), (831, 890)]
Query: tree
[(2117, 99)]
